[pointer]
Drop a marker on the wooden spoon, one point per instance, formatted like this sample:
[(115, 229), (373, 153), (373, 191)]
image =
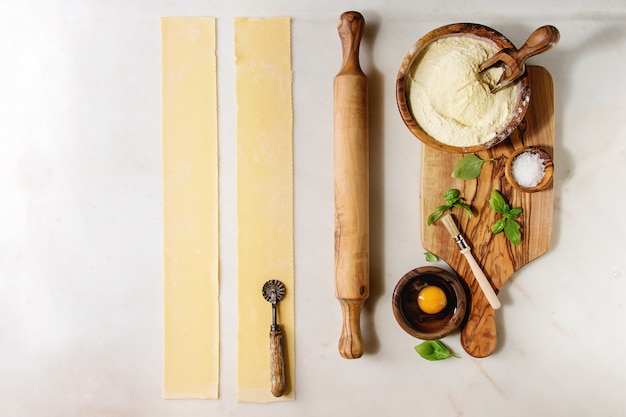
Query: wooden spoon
[(513, 60)]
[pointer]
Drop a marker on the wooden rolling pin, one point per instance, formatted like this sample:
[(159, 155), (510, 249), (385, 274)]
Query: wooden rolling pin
[(351, 165)]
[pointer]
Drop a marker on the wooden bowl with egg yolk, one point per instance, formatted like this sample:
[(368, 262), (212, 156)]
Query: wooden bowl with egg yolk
[(412, 60), (431, 324)]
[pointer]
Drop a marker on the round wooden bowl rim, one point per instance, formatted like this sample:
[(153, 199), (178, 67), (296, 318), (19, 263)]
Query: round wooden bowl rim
[(457, 29), (455, 321), (548, 173)]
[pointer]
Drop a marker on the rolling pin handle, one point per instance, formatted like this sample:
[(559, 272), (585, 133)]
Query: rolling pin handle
[(350, 27), (351, 344)]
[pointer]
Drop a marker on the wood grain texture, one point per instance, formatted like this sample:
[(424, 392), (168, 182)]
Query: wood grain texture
[(351, 181), (513, 59), (277, 361), (496, 255)]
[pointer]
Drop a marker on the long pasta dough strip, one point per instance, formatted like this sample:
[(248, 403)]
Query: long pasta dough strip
[(264, 199), (190, 208)]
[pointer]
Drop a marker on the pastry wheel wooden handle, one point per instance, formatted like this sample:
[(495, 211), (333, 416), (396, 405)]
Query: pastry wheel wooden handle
[(351, 171), (277, 361)]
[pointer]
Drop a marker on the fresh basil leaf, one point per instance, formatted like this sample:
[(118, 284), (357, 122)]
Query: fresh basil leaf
[(453, 199), (512, 232), (451, 193), (498, 226), (507, 223), (514, 213), (431, 257), (433, 350), (465, 207), (468, 167), (432, 218), (497, 202)]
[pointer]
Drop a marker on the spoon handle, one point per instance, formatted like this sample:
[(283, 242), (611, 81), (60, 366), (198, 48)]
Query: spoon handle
[(539, 41)]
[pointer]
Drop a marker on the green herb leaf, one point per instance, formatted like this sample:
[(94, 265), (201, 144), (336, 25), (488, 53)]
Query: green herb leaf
[(497, 202), (450, 194), (514, 213), (433, 350), (434, 216), (468, 167), (507, 223), (431, 257), (512, 231), (498, 226), (453, 199), (465, 207)]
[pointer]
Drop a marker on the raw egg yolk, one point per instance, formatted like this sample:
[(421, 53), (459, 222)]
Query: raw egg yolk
[(431, 299)]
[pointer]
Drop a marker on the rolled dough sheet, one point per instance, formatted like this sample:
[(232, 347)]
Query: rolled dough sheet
[(190, 208), (265, 244)]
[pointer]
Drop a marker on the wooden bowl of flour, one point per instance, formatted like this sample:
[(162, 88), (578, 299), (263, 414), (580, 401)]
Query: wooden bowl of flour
[(446, 102)]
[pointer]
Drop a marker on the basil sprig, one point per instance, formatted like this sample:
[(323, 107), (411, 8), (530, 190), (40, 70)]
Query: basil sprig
[(507, 222), (468, 167), (453, 199), (434, 350), (431, 257)]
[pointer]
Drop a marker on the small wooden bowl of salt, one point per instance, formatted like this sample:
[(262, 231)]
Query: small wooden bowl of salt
[(529, 169)]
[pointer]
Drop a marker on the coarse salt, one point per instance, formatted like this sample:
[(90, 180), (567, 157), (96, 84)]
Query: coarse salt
[(528, 169)]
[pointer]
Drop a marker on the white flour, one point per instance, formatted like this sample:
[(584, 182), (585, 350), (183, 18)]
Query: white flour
[(450, 101)]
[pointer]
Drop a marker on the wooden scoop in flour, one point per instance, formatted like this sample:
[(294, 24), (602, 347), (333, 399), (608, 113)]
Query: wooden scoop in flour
[(351, 165), (513, 60)]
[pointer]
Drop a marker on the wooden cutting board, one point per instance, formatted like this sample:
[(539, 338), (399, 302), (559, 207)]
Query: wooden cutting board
[(497, 256)]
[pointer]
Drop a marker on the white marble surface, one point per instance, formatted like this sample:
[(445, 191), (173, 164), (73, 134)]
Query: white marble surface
[(80, 226)]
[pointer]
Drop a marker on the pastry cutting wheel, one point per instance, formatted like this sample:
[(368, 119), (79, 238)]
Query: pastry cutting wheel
[(273, 292)]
